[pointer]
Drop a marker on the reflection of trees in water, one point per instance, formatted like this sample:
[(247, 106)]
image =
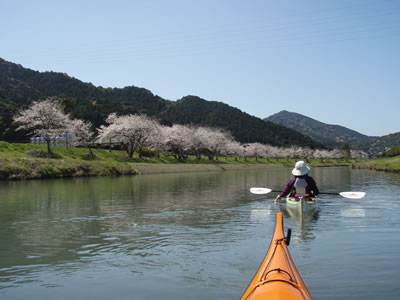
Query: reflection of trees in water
[(52, 221), (385, 177), (332, 179), (339, 179)]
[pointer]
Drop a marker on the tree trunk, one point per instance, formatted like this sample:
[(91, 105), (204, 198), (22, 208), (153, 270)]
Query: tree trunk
[(130, 149), (91, 153), (140, 152), (48, 146)]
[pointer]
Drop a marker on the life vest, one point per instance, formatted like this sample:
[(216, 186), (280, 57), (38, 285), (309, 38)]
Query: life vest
[(300, 185)]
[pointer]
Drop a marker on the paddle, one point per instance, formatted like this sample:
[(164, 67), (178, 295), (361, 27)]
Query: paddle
[(350, 195)]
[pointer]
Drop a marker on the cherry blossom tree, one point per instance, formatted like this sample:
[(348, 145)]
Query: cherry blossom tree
[(322, 154), (335, 153), (132, 131), (256, 150), (44, 119), (82, 134), (157, 140), (216, 142), (235, 149), (307, 153), (177, 140), (271, 151), (105, 134), (198, 140)]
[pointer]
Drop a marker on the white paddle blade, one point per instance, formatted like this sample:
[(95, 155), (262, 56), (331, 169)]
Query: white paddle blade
[(260, 191), (353, 195)]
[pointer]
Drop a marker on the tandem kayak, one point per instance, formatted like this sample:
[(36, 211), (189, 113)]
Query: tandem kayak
[(277, 277), (302, 203)]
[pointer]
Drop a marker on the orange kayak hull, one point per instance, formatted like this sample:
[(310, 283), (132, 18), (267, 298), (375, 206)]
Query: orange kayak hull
[(277, 277)]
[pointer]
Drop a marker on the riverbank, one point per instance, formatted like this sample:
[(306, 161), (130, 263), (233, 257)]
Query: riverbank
[(146, 168), (391, 164), (21, 161)]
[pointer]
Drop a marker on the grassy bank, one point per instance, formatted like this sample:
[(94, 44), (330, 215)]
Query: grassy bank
[(391, 164), (18, 162)]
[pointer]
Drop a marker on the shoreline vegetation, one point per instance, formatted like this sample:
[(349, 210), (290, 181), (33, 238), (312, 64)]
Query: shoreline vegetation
[(389, 164), (23, 161)]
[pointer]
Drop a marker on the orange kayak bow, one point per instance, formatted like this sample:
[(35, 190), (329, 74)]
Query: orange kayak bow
[(277, 277)]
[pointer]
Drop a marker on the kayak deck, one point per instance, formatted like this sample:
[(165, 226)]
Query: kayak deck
[(301, 202), (277, 277)]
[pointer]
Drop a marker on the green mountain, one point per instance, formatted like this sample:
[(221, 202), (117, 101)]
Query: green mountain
[(384, 143), (245, 128), (20, 86), (334, 135)]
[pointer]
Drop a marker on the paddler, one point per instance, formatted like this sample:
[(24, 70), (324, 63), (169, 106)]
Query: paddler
[(301, 183)]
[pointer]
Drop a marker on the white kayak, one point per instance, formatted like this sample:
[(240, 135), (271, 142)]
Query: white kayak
[(302, 203)]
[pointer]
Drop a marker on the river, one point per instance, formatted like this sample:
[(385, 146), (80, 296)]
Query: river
[(194, 236)]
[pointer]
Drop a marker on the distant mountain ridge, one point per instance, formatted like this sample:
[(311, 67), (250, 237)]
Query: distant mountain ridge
[(20, 86), (333, 135), (385, 142)]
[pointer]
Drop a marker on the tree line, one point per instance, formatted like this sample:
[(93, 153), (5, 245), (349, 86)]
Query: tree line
[(138, 132), (20, 86)]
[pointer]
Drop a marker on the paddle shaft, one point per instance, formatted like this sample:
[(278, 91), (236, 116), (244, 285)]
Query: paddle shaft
[(273, 191), (318, 194), (329, 194)]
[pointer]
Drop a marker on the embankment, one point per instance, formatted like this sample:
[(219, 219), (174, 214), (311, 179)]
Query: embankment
[(27, 161), (145, 168), (35, 168), (391, 164)]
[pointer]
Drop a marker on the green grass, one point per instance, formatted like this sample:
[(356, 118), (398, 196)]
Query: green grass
[(17, 163), (391, 164)]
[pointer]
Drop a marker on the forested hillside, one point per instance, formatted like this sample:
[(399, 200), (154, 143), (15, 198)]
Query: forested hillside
[(385, 143), (20, 86), (245, 128), (330, 135)]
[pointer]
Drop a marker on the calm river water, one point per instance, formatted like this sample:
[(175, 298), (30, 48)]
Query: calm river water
[(194, 236)]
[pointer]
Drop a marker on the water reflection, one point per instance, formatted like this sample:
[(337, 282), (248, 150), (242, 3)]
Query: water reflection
[(71, 222), (186, 232), (262, 213), (353, 212), (56, 221), (302, 223)]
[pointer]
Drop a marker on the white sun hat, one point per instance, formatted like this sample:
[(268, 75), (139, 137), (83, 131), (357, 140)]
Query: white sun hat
[(300, 169)]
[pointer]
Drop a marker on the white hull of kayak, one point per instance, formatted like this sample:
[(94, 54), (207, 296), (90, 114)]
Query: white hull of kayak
[(301, 205)]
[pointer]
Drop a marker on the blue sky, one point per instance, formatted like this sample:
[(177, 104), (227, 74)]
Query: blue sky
[(335, 61)]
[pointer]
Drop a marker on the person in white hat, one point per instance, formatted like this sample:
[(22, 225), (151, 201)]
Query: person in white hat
[(300, 183)]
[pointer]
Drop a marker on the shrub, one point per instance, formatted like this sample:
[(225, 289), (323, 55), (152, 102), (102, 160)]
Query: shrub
[(43, 154), (49, 171), (89, 156), (394, 151), (146, 152), (4, 146)]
